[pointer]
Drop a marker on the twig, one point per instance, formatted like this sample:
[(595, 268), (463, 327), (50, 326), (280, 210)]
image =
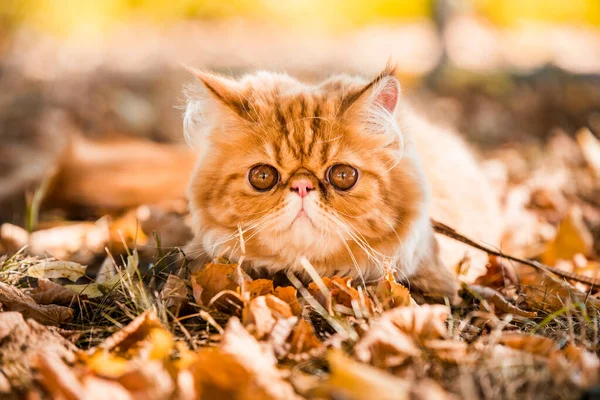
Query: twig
[(451, 233)]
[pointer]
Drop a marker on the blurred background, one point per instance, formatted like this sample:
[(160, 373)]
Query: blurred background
[(519, 78)]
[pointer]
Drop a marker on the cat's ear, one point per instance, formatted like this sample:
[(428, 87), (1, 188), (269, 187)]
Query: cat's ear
[(214, 102), (374, 105)]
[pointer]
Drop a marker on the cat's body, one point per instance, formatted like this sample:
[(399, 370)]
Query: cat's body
[(373, 214)]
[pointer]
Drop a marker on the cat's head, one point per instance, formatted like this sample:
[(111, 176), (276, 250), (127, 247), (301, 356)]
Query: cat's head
[(321, 171)]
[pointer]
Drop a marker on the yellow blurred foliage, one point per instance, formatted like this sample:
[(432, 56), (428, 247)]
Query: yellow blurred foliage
[(76, 16)]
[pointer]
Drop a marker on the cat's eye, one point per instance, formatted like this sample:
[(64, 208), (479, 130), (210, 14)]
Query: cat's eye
[(342, 176), (263, 177)]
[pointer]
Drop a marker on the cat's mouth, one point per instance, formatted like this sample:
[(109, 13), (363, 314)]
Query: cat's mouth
[(302, 214)]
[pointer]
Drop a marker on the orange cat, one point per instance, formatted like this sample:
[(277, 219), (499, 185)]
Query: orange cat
[(341, 173)]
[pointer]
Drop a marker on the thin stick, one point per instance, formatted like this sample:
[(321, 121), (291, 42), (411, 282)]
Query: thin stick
[(451, 233)]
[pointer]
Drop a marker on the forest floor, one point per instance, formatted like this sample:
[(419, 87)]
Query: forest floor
[(115, 312)]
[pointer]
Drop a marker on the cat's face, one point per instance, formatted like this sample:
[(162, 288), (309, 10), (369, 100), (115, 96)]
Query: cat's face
[(317, 171)]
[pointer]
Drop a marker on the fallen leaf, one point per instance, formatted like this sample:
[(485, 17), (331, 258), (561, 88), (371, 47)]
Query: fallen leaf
[(149, 381), (352, 380), (175, 294), (385, 345), (542, 291), (501, 304), (424, 322), (450, 351), (108, 365), (48, 292), (590, 147), (576, 365), (98, 289), (392, 294), (213, 279), (572, 238), (81, 241), (533, 344), (240, 368), (263, 312), (288, 294), (12, 299), (304, 340), (21, 341), (258, 287), (95, 388), (57, 378), (144, 338), (12, 238), (62, 382), (497, 275), (57, 269), (339, 293)]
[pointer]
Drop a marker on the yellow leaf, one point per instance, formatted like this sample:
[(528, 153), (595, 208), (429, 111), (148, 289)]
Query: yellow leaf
[(572, 238)]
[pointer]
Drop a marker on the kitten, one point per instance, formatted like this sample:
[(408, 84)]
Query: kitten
[(334, 172)]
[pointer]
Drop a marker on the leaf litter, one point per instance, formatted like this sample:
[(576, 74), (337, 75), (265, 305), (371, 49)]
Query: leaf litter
[(145, 326)]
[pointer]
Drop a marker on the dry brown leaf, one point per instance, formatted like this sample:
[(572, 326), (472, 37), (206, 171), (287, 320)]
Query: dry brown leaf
[(84, 239), (57, 378), (533, 344), (12, 299), (175, 294), (590, 147), (288, 294), (304, 340), (572, 238), (340, 293), (22, 341), (501, 304), (392, 294), (63, 383), (262, 313), (12, 238), (148, 381), (48, 292), (450, 351), (213, 279), (126, 228), (544, 292), (258, 287), (101, 389), (240, 368), (497, 274), (576, 365), (57, 269), (144, 337), (352, 380), (424, 322), (385, 345)]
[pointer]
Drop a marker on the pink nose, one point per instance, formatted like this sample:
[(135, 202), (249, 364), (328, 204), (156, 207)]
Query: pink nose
[(302, 187)]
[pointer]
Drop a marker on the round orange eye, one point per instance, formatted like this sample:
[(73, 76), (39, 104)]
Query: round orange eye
[(342, 176), (263, 177)]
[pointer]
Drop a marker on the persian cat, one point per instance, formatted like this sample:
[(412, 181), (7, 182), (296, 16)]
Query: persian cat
[(341, 172)]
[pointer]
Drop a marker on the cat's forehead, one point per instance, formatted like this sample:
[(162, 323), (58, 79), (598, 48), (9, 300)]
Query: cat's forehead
[(271, 88), (299, 123)]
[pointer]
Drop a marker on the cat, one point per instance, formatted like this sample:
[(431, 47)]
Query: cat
[(342, 173)]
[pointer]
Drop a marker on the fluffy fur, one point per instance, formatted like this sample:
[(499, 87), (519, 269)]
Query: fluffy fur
[(381, 223)]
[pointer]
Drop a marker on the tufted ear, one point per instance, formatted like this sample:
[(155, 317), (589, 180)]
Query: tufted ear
[(381, 94), (374, 105), (216, 101)]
